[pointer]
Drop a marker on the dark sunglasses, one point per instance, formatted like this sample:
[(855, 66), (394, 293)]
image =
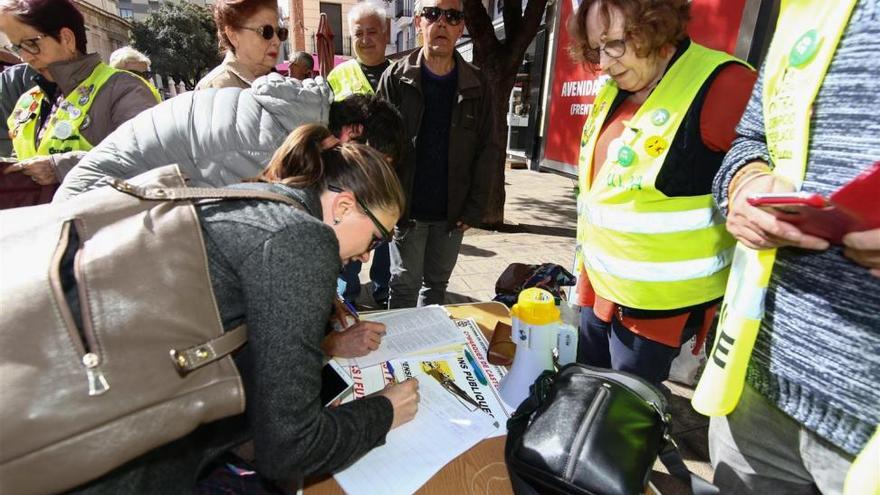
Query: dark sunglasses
[(453, 17), (268, 31), (613, 48), (376, 241)]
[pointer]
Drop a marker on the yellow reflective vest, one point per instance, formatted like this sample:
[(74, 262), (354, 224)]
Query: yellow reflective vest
[(798, 59), (62, 133), (641, 248), (347, 79)]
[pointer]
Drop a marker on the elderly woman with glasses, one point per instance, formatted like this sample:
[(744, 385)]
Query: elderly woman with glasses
[(248, 30), (75, 99), (652, 250)]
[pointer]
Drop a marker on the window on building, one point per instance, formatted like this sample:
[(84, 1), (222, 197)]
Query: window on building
[(154, 5), (334, 17), (399, 45), (126, 13)]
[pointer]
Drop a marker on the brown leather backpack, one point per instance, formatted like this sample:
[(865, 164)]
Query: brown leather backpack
[(139, 360)]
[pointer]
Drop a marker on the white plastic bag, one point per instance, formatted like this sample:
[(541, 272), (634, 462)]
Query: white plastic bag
[(686, 368)]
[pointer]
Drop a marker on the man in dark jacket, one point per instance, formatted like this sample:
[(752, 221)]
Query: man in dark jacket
[(450, 151), (14, 81)]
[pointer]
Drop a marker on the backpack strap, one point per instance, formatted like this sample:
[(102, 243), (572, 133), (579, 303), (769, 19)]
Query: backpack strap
[(670, 456), (192, 358), (153, 193)]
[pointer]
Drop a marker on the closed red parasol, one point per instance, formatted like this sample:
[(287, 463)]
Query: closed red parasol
[(324, 40)]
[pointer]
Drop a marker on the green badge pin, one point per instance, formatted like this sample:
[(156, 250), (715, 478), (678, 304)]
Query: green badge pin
[(626, 156), (805, 48), (660, 116)]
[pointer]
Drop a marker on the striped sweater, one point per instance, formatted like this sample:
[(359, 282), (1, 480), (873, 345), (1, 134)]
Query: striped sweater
[(817, 356)]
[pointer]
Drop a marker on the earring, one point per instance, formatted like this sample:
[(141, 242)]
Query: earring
[(336, 221)]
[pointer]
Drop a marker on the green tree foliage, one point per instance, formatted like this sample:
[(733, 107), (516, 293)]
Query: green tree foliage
[(181, 41)]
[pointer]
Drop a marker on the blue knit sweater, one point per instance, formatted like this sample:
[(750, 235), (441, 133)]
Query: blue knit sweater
[(817, 356)]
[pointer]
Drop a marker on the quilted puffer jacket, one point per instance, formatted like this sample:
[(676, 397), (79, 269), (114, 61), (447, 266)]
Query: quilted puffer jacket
[(216, 136)]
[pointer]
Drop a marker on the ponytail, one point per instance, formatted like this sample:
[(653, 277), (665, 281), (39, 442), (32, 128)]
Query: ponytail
[(298, 161), (311, 156)]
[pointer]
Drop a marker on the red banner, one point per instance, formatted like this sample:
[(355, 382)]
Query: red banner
[(714, 23)]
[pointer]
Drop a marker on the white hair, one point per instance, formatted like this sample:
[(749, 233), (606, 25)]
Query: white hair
[(127, 54), (366, 9)]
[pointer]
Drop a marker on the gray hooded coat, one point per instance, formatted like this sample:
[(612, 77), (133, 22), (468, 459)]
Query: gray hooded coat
[(217, 136)]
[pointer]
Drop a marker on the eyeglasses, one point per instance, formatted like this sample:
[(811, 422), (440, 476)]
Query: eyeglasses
[(28, 45), (267, 31), (376, 241), (432, 14), (613, 48)]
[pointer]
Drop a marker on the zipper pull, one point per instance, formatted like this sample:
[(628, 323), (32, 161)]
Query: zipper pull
[(97, 382)]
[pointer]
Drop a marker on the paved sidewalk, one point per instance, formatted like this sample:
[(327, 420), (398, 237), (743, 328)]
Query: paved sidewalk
[(540, 221)]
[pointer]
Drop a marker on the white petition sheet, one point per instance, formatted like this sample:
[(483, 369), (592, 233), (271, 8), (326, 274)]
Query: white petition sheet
[(442, 430), (411, 331)]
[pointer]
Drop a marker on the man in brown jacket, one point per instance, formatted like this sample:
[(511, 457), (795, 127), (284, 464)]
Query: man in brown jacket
[(446, 168)]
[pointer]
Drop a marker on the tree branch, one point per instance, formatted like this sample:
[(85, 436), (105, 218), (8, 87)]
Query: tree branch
[(511, 12), (479, 25)]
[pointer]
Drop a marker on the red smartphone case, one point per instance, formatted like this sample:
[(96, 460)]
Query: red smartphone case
[(852, 208)]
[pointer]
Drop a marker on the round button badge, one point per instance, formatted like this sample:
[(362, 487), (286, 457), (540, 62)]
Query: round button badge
[(655, 146), (626, 156), (805, 48), (63, 130), (660, 116)]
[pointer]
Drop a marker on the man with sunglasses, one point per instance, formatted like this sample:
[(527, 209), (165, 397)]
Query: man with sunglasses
[(366, 24), (450, 150)]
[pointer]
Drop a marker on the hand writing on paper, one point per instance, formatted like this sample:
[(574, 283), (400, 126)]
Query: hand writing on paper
[(404, 399), (355, 341), (759, 229), (864, 249), (462, 226), (39, 169)]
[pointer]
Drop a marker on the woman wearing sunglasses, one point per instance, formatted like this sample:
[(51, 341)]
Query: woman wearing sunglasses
[(74, 101), (248, 30), (274, 268), (652, 249)]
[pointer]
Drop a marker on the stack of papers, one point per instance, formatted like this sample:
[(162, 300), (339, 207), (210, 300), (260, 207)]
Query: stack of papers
[(445, 426), (412, 331)]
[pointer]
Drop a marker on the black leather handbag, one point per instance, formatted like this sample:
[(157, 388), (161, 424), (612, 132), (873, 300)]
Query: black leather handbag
[(592, 431)]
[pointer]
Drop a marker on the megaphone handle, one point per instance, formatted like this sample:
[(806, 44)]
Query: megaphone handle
[(566, 344)]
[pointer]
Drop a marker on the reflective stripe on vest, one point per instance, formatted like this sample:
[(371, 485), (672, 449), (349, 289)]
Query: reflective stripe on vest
[(795, 67), (650, 222), (641, 248), (347, 79)]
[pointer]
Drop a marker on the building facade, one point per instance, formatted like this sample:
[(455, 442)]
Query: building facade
[(105, 29), (138, 10), (304, 17)]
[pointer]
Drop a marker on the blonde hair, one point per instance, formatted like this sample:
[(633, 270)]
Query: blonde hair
[(304, 160), (127, 54)]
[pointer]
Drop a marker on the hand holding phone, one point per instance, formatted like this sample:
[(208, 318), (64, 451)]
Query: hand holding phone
[(852, 208), (811, 213)]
